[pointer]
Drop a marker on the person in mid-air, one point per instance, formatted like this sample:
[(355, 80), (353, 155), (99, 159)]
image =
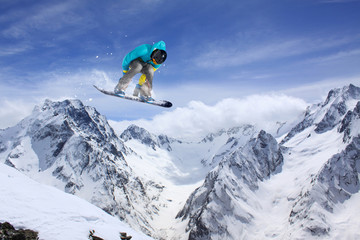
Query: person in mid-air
[(145, 59)]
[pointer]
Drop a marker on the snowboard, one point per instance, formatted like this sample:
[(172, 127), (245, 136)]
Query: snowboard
[(160, 103)]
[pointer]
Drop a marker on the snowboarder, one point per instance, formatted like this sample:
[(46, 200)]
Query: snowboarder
[(145, 59)]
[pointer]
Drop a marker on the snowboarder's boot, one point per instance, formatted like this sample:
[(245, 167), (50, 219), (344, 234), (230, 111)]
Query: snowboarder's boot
[(119, 92)]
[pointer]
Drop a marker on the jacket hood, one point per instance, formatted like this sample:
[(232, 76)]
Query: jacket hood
[(159, 45)]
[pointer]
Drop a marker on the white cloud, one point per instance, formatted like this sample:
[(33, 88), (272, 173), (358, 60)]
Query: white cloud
[(45, 17), (198, 119), (13, 111), (18, 100), (212, 110), (219, 54), (16, 49), (336, 56)]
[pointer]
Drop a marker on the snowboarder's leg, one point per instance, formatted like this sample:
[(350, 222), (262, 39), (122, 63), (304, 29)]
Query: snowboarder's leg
[(142, 80), (135, 68), (146, 88), (137, 90)]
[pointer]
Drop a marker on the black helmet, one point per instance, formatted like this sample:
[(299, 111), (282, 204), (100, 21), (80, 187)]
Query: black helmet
[(159, 56)]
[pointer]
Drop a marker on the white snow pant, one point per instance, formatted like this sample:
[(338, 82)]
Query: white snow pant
[(138, 66)]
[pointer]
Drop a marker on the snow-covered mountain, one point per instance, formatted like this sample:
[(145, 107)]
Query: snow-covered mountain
[(295, 190), (338, 178), (227, 194), (238, 183), (72, 147)]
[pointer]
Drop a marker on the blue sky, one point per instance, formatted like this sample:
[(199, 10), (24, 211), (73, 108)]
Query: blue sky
[(216, 50)]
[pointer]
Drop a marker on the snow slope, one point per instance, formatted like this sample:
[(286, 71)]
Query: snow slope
[(54, 214)]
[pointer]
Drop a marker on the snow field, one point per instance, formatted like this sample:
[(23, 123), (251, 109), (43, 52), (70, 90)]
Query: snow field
[(53, 213)]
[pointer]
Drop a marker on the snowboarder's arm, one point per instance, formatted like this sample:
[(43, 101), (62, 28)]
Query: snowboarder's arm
[(134, 54)]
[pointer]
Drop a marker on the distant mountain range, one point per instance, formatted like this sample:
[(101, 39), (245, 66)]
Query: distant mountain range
[(238, 183)]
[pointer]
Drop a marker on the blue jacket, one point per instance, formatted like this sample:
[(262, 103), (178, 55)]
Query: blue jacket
[(144, 52)]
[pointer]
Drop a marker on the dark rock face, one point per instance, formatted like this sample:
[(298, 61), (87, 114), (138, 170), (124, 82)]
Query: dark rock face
[(146, 138), (8, 232), (333, 110), (348, 121)]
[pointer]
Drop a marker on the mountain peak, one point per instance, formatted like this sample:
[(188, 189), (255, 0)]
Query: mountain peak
[(74, 114), (145, 137), (76, 146), (326, 116), (54, 126), (68, 103), (352, 92), (344, 94), (139, 133)]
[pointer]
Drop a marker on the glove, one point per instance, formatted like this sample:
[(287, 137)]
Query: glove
[(125, 71)]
